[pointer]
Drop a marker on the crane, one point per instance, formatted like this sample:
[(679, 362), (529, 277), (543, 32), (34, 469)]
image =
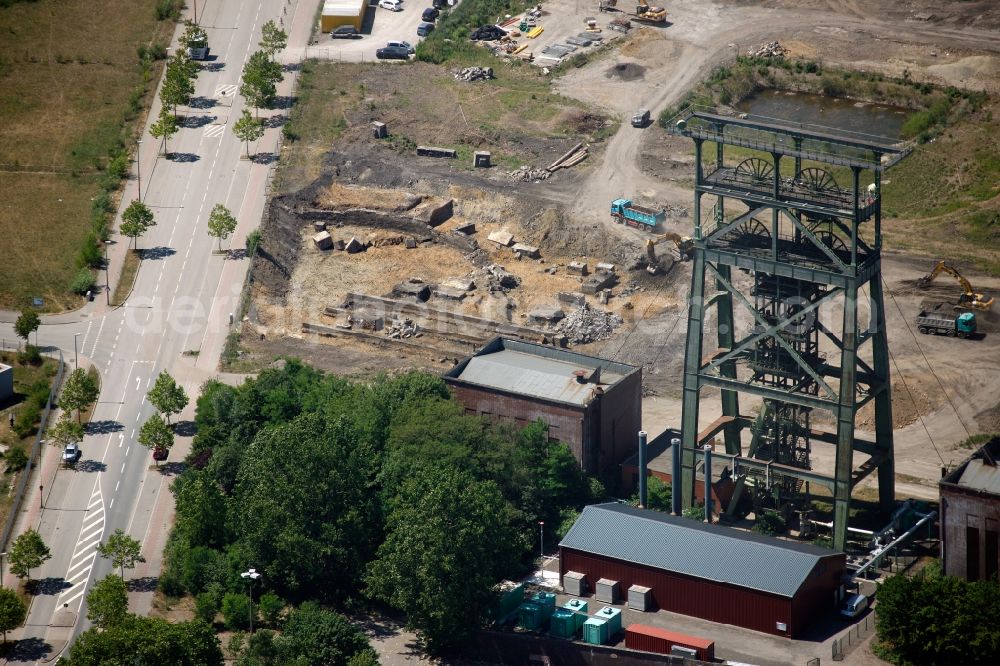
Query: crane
[(683, 243), (969, 297)]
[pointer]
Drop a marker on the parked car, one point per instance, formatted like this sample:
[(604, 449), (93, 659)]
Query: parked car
[(430, 14), (391, 5), (854, 605), (71, 454), (440, 4), (403, 45), (640, 118), (392, 53), (425, 29), (345, 32)]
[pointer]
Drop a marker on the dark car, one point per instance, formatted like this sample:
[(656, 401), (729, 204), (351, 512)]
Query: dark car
[(345, 32), (430, 14), (425, 29), (392, 53), (440, 4)]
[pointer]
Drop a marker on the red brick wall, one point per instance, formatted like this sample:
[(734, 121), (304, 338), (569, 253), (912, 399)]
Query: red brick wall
[(961, 510), (621, 421)]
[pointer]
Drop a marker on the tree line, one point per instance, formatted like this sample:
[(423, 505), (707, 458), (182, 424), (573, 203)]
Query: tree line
[(343, 493)]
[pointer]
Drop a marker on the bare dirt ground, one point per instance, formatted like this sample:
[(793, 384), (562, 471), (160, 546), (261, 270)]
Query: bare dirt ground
[(944, 389)]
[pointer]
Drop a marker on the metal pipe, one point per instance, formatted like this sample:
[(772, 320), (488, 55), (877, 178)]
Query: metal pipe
[(642, 469), (881, 551), (675, 476), (708, 483)]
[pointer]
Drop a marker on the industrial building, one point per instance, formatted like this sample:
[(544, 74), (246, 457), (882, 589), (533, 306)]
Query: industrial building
[(342, 12), (592, 405), (970, 516), (6, 382), (708, 571)]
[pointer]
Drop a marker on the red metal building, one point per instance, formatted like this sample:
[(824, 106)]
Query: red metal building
[(708, 571), (592, 405)]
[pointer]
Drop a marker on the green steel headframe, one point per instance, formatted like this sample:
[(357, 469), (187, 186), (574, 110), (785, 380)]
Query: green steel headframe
[(780, 218)]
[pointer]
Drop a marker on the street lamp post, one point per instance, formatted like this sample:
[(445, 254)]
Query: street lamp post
[(541, 538), (251, 575), (138, 163), (107, 273), (2, 555), (76, 354)]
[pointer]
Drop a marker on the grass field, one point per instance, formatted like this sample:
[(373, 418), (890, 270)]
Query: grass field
[(71, 90)]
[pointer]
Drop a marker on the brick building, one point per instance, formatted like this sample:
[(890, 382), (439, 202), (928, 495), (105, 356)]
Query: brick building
[(591, 404), (970, 516)]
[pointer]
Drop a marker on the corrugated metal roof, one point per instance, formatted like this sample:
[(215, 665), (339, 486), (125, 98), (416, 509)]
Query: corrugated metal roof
[(688, 547), (537, 376), (980, 476)]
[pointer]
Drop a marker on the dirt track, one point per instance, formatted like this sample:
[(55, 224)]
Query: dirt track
[(943, 388)]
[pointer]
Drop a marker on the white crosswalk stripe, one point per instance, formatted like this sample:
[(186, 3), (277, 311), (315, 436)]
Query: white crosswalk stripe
[(226, 90), (214, 131), (85, 552)]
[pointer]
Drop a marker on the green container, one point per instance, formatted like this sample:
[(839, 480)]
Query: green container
[(563, 623), (576, 605), (614, 618), (508, 601), (595, 631), (530, 616), (544, 599)]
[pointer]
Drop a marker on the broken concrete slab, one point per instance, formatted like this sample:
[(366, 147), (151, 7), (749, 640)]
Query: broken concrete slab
[(595, 283), (502, 237), (339, 244), (578, 267), (319, 226), (410, 243), (419, 291), (463, 284), (504, 279), (603, 266), (549, 314), (528, 251), (354, 246), (448, 293), (468, 228), (571, 298), (323, 240)]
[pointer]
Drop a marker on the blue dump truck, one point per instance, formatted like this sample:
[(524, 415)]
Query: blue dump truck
[(963, 325), (623, 211)]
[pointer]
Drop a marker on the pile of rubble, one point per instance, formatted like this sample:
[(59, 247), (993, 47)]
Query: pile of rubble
[(402, 329), (585, 325), (487, 33), (499, 280), (526, 173), (768, 50), (475, 74)]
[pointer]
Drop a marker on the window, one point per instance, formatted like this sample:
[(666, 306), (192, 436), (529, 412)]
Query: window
[(992, 553), (972, 553)]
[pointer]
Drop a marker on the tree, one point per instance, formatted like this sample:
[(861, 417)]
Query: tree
[(194, 36), (272, 39), (12, 611), (314, 635), (123, 551), (156, 435), (66, 431), (260, 78), (26, 324), (107, 602), (221, 222), (136, 219), (164, 128), (178, 83), (167, 395), (147, 640), (236, 610), (270, 605), (79, 392), (248, 129), (28, 552), (444, 522)]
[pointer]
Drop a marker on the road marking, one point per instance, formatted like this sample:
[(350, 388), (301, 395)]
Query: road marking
[(85, 552), (214, 131), (226, 90), (127, 449), (93, 350), (123, 469), (112, 503), (91, 533), (121, 439), (86, 335), (117, 483), (81, 562), (75, 596)]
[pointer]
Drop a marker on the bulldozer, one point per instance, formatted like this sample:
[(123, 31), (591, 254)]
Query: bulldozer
[(969, 297), (684, 245), (650, 14)]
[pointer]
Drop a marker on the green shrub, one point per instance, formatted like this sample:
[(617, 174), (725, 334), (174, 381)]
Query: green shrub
[(832, 86), (170, 584), (89, 254), (271, 605), (31, 355), (253, 240), (769, 523), (83, 281), (206, 605), (236, 611), (16, 458), (288, 131), (167, 9), (27, 417)]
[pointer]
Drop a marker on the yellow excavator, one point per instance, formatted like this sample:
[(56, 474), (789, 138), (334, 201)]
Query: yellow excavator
[(646, 12), (684, 246), (969, 297)]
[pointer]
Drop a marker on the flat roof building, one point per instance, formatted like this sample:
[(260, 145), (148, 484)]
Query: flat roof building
[(342, 12), (970, 516), (709, 571), (591, 404), (6, 382)]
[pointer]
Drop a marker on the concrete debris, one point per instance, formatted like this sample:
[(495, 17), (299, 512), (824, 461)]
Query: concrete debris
[(526, 173), (620, 24), (354, 246), (606, 267), (529, 251), (323, 240), (501, 277), (319, 226), (339, 244), (550, 314), (462, 284), (475, 74), (595, 283), (365, 323), (417, 290), (385, 241), (467, 228), (585, 325), (410, 243), (501, 237), (448, 293), (578, 267), (571, 298), (405, 328), (768, 50)]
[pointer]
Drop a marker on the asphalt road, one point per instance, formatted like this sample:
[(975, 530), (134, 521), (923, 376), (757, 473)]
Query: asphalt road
[(182, 300)]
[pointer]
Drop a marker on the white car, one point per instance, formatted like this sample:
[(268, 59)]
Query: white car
[(391, 5), (402, 45)]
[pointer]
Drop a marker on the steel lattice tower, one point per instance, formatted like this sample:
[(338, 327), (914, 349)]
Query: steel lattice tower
[(807, 247)]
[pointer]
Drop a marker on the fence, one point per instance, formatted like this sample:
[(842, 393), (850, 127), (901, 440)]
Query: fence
[(854, 637), (22, 483)]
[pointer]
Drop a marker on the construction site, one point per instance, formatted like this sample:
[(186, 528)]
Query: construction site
[(410, 241)]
